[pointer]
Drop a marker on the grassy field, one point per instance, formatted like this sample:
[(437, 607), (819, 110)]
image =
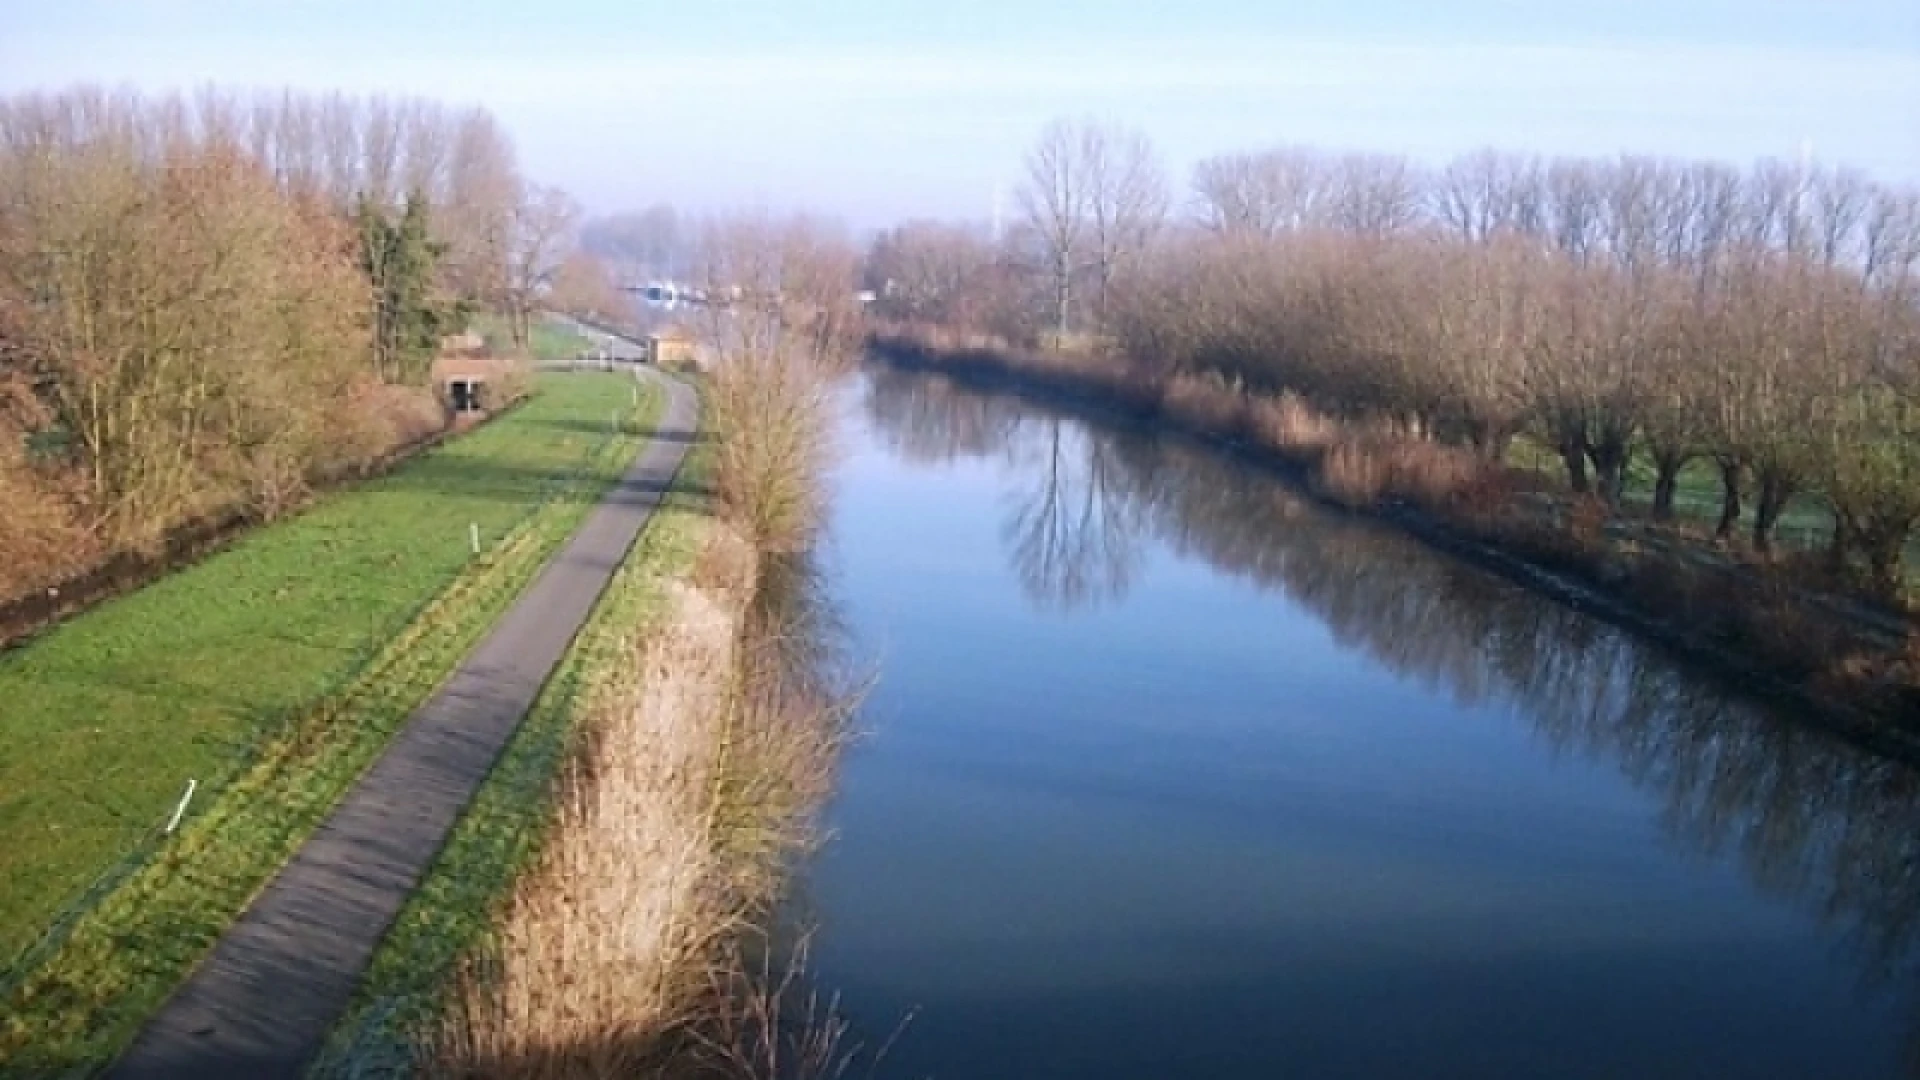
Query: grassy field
[(549, 342), (450, 914), (1805, 525), (272, 674)]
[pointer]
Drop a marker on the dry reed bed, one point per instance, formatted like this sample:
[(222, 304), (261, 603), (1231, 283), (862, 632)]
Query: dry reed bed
[(1748, 615), (693, 786)]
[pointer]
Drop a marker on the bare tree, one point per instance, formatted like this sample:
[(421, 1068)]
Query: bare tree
[(1057, 199), (480, 204), (1263, 194), (542, 232), (1841, 199), (1487, 194), (782, 288), (1890, 237), (1129, 203), (1776, 213), (426, 146), (1095, 195), (582, 285), (929, 272), (1574, 208), (1376, 194)]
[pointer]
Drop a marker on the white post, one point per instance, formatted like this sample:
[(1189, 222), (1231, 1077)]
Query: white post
[(473, 536), (174, 822)]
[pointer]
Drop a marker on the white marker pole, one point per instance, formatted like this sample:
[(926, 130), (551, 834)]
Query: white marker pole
[(174, 822), (473, 536)]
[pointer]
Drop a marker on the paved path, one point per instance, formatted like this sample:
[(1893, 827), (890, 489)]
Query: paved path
[(263, 1001)]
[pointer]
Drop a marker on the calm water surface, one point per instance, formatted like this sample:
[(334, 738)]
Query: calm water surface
[(1171, 774)]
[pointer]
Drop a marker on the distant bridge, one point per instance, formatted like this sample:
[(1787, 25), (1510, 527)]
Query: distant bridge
[(666, 294)]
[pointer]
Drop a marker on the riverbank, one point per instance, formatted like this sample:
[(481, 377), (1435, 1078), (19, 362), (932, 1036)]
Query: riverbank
[(602, 907), (1859, 669), (269, 676)]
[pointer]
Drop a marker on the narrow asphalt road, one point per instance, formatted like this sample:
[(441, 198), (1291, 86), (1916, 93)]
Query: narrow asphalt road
[(262, 1002)]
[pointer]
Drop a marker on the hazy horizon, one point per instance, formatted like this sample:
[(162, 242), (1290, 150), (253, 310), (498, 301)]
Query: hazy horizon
[(914, 109)]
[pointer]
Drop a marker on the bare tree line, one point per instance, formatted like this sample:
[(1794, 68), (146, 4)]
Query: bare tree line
[(1765, 321), (504, 236), (339, 147)]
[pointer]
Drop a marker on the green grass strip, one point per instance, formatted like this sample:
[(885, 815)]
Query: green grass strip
[(274, 673)]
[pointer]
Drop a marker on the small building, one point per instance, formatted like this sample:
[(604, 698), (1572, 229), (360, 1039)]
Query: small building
[(673, 348), (471, 382)]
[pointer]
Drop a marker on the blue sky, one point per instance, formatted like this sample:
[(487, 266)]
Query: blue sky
[(875, 111)]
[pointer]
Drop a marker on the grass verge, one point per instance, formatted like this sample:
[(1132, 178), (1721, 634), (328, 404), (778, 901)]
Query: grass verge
[(272, 673)]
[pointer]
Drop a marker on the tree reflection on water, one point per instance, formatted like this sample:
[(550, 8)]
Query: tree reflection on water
[(1807, 815)]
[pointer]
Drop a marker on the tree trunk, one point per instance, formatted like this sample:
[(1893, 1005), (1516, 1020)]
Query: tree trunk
[(1666, 480), (1490, 442), (1885, 549), (1772, 501), (1610, 468), (1839, 546), (1729, 499), (1574, 453)]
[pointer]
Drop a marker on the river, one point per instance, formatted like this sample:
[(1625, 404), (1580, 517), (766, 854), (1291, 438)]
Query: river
[(1171, 773)]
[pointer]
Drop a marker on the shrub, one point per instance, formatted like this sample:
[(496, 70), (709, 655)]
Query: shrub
[(1207, 402), (1288, 423), (1353, 473), (770, 413)]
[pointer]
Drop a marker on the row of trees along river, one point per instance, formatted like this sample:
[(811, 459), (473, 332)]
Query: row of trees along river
[(1756, 328)]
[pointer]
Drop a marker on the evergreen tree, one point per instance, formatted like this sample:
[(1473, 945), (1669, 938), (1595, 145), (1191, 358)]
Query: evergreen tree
[(401, 259)]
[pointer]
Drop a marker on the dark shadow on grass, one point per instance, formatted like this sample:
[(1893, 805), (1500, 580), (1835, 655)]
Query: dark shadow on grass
[(507, 482), (585, 426)]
